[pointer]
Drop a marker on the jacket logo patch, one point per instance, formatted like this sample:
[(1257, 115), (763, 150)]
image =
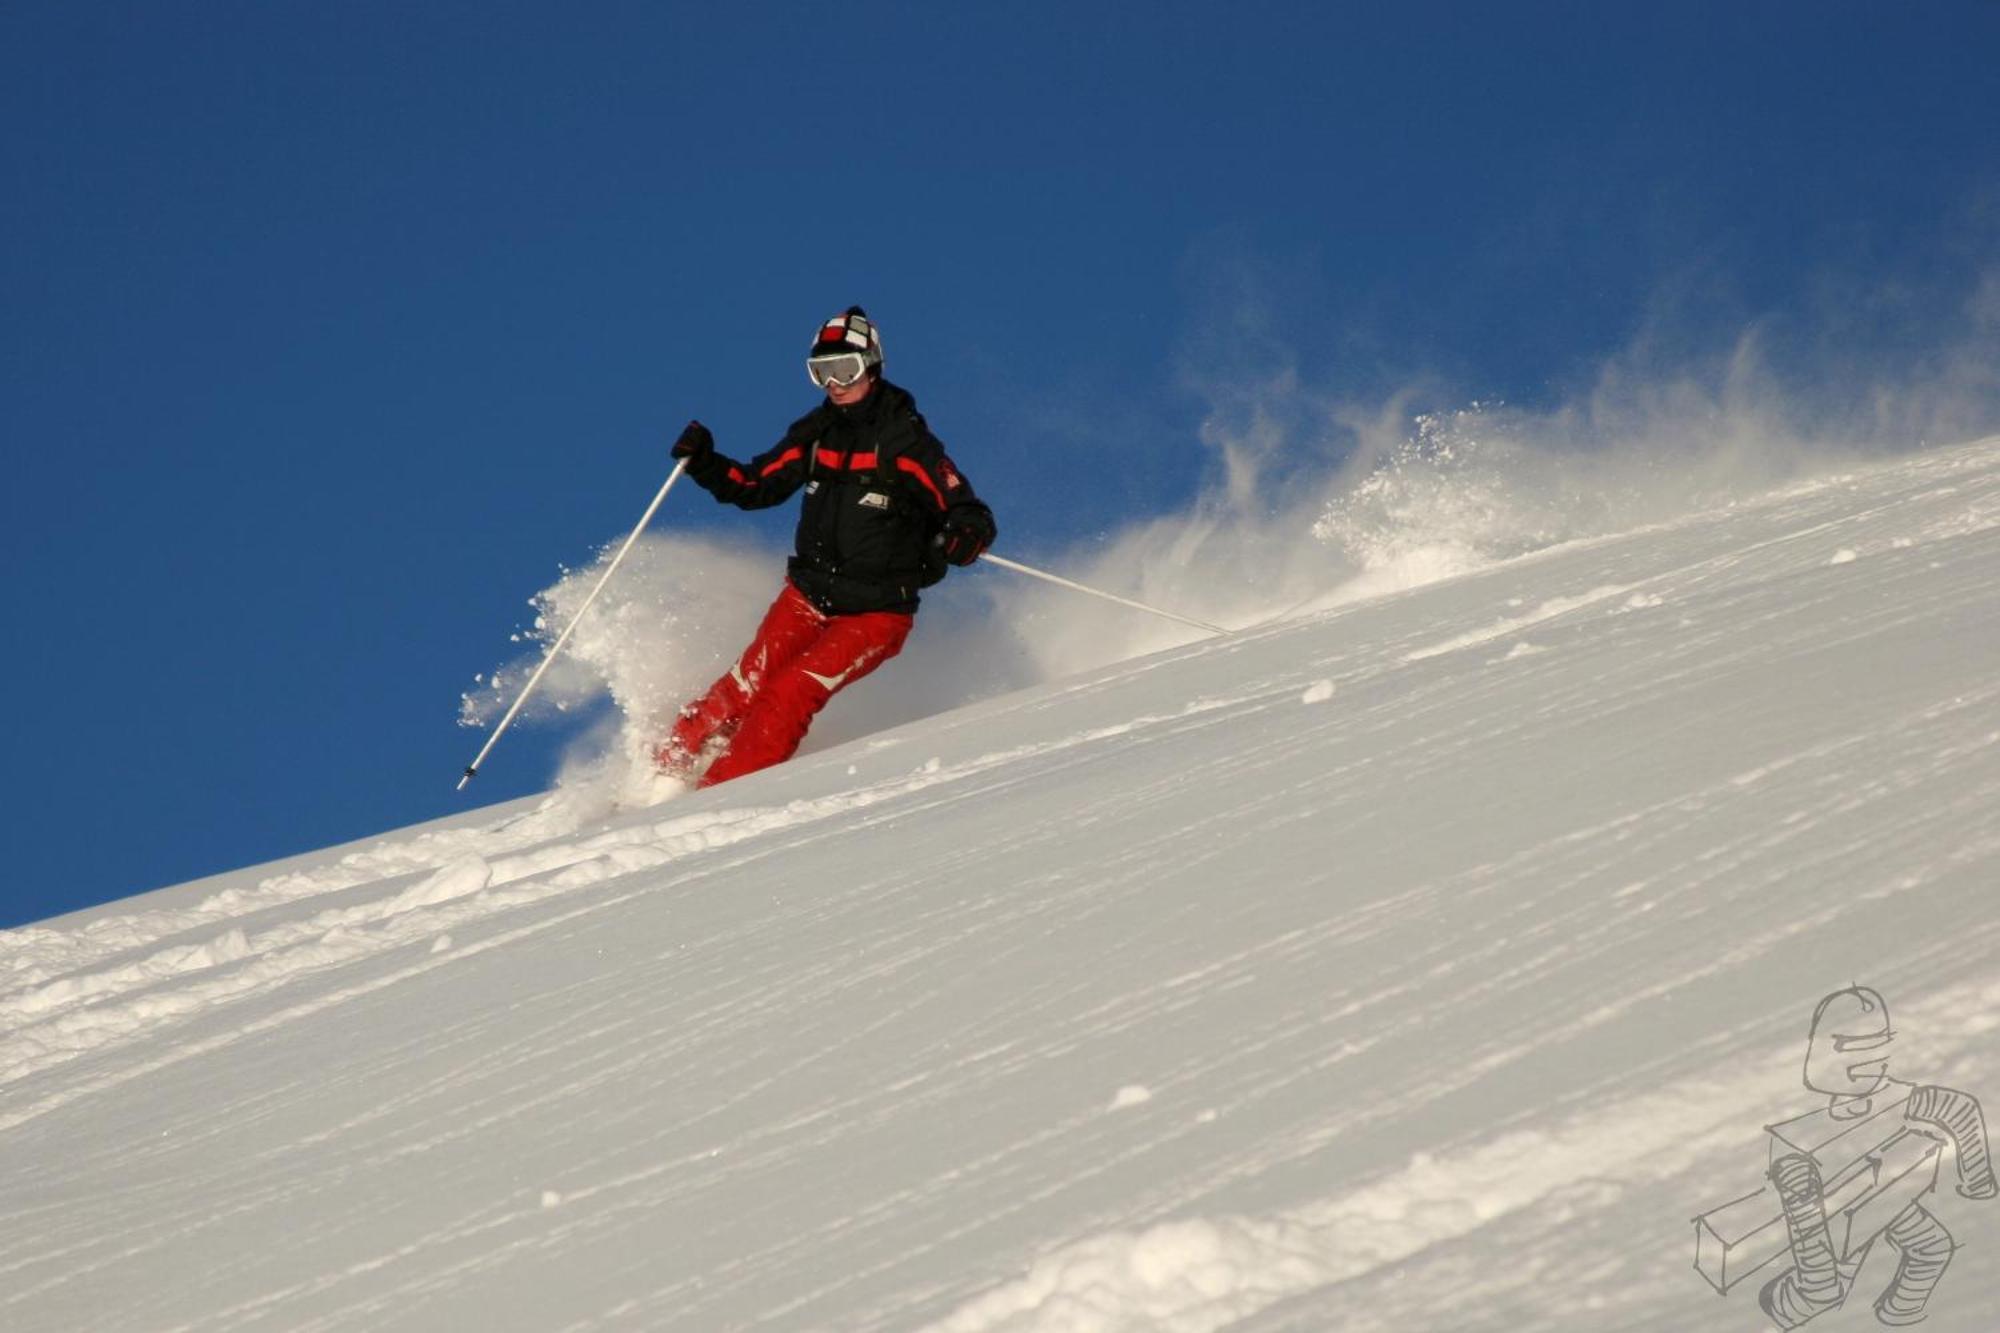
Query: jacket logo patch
[(875, 500)]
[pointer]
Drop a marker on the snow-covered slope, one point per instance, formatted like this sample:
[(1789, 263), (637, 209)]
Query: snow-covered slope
[(1426, 962)]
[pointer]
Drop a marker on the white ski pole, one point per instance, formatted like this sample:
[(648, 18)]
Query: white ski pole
[(989, 558), (472, 769)]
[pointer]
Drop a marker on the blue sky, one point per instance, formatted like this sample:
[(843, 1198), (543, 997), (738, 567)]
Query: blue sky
[(332, 330)]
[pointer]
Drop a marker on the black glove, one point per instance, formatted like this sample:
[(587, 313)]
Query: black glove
[(695, 443), (968, 530)]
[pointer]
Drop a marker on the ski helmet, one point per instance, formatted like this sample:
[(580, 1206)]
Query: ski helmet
[(850, 333)]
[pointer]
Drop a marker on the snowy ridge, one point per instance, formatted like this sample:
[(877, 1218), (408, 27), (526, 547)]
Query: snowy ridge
[(1417, 962)]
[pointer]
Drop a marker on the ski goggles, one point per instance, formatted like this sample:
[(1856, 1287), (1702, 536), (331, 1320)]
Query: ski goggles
[(837, 371)]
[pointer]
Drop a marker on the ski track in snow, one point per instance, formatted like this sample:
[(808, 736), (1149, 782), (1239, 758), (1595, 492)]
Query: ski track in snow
[(53, 1020), (1174, 1016)]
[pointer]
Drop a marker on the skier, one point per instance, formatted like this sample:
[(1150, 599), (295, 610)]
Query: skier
[(885, 511)]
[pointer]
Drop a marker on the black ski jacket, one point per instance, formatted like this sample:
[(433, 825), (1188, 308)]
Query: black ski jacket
[(878, 487)]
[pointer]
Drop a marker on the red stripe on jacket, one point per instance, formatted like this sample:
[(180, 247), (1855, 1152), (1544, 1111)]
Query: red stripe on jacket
[(916, 469), (852, 462), (833, 458)]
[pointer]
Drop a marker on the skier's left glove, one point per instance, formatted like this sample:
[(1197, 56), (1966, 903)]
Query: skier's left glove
[(968, 530)]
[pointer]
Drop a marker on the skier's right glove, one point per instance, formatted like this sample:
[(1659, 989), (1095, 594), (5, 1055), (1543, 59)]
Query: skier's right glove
[(695, 443)]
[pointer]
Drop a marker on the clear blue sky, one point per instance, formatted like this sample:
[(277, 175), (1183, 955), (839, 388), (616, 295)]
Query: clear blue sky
[(331, 329)]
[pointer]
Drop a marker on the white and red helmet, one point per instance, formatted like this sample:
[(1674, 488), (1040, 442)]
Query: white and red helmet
[(846, 348)]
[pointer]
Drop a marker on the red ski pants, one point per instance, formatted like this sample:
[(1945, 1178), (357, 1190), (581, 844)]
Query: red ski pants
[(763, 705)]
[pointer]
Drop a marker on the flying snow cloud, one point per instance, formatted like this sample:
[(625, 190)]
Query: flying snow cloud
[(661, 631), (1313, 498)]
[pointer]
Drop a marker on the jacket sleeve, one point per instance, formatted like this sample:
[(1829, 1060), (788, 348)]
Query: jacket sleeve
[(768, 479), (928, 474)]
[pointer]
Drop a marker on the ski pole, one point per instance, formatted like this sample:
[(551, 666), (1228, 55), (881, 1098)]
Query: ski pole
[(472, 769), (1004, 563)]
